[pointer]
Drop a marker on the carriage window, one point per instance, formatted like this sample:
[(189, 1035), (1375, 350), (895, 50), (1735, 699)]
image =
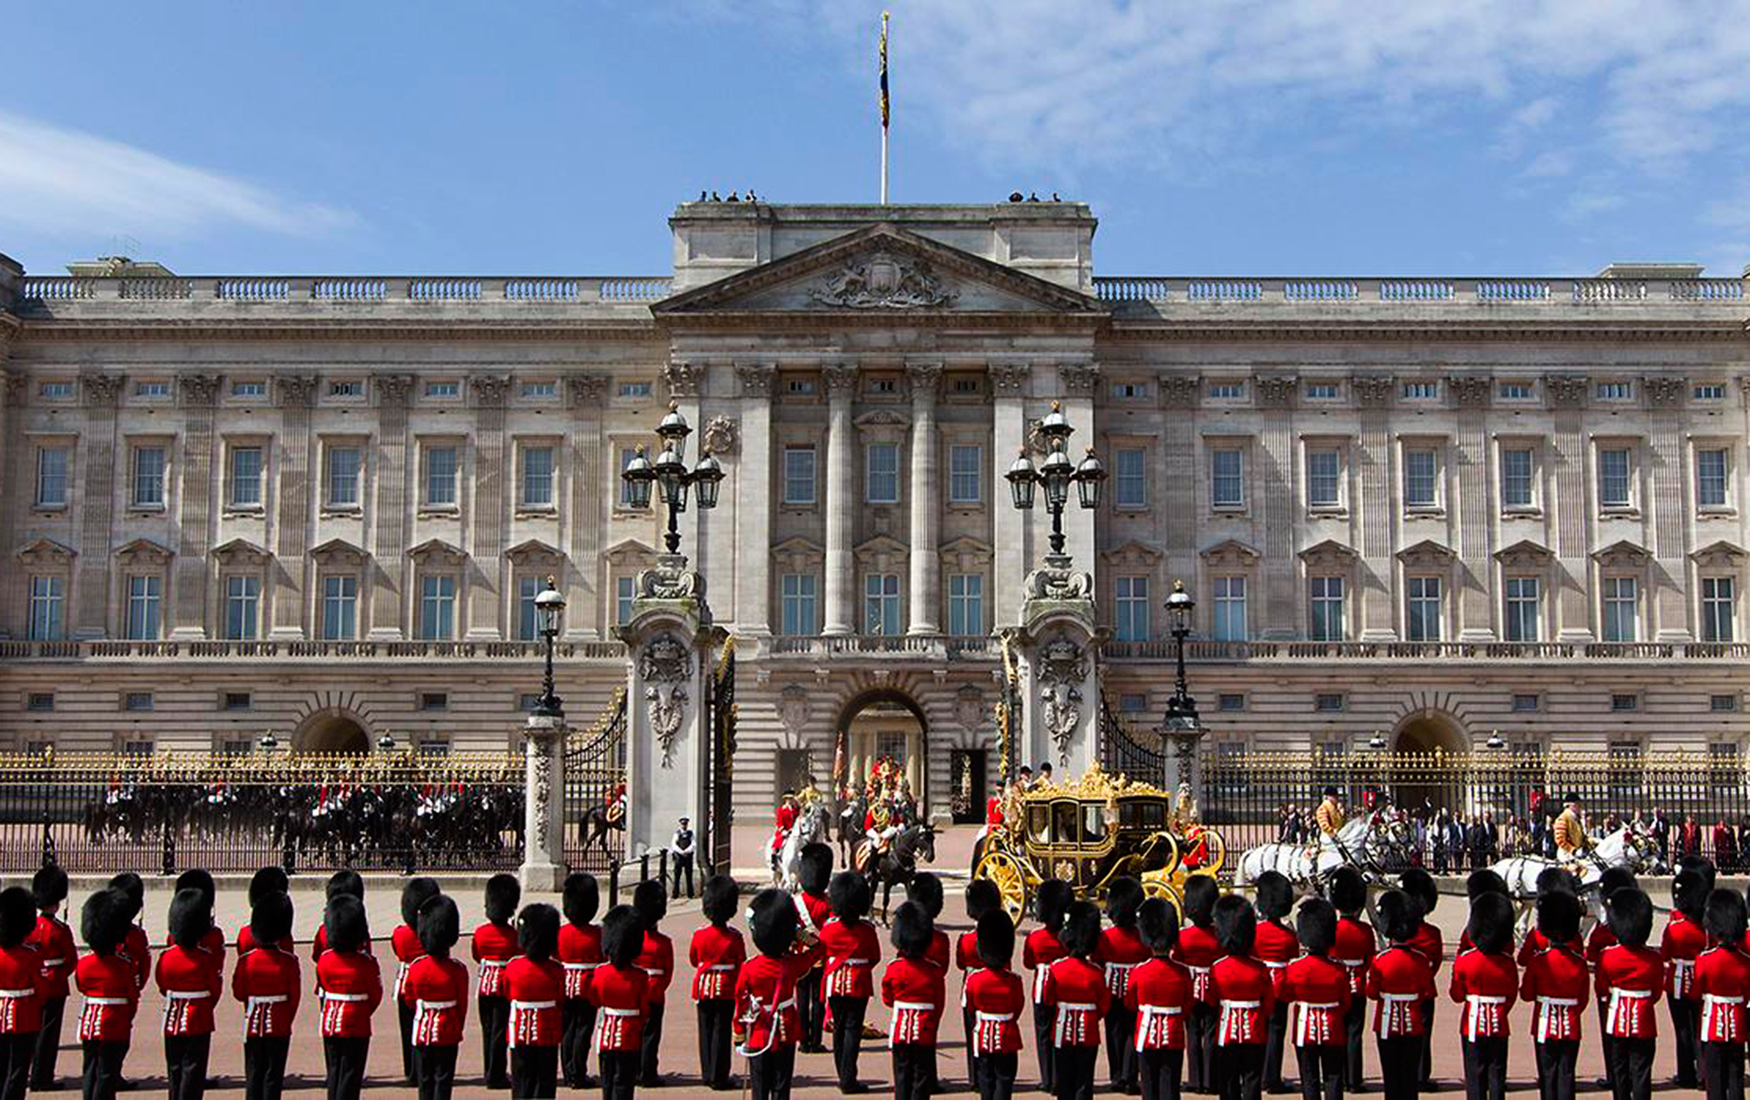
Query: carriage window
[(1063, 822), (1142, 815), (1039, 824), (1094, 822)]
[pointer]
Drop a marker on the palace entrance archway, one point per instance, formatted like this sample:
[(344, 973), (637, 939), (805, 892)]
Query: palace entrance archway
[(1420, 779), (332, 731), (887, 725)]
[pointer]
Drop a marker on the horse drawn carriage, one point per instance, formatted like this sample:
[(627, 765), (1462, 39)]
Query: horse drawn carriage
[(1091, 832)]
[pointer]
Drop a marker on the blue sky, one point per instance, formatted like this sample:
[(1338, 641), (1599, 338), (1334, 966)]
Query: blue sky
[(1317, 137)]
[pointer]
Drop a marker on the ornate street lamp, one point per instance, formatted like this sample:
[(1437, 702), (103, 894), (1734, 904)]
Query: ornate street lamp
[(1494, 742), (1376, 742), (1056, 474), (386, 743), (549, 606), (670, 475), (1181, 708)]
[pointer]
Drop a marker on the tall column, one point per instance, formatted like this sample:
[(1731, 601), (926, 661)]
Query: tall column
[(1178, 493), (686, 386), (391, 515), (490, 516), (926, 493), (841, 499), (589, 482), (753, 501), (1573, 506), (197, 393), (1076, 382), (1379, 504), (1008, 383), (1276, 478), (295, 461), (1670, 502), (1474, 508), (97, 446)]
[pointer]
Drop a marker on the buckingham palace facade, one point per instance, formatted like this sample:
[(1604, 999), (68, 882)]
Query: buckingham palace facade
[(1429, 508)]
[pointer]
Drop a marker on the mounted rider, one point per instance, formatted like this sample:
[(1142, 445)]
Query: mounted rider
[(783, 821), (1570, 831)]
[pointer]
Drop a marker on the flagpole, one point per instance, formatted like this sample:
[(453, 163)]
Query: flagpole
[(884, 108)]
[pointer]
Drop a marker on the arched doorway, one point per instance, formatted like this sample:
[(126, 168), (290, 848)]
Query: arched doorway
[(886, 725), (1420, 778), (1427, 731), (332, 731)]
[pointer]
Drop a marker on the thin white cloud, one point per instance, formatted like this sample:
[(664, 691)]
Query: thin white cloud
[(62, 180)]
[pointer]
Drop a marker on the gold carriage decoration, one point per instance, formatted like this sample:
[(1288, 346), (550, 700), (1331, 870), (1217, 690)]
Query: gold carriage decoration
[(1093, 831)]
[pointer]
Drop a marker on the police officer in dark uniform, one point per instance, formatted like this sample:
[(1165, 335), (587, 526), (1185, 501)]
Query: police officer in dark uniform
[(682, 851)]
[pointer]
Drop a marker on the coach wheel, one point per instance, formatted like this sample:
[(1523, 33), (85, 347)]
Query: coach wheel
[(1003, 871)]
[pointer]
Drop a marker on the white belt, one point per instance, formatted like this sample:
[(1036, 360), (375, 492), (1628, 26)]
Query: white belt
[(1273, 965), (854, 962), (1545, 1004), (1400, 996), (1237, 1004), (622, 1012), (432, 1006), (345, 996), (994, 1017), (1306, 1007), (1477, 1002), (191, 994), (1716, 999), (898, 1006), (525, 1006), (1300, 1030), (53, 962), (268, 999), (1352, 964), (1063, 1017), (13, 994), (720, 966), (580, 966), (492, 964), (105, 1000)]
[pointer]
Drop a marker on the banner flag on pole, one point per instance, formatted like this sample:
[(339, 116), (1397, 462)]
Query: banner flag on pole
[(884, 106)]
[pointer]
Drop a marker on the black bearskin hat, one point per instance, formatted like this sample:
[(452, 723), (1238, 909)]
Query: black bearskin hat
[(581, 898), (1689, 891), (1275, 895), (622, 935), (1347, 890), (981, 898), (719, 898), (1124, 897), (1491, 922), (1055, 896), (105, 919), (537, 931), (270, 920), (1419, 884), (49, 886), (1236, 925), (1723, 917), (416, 893), (815, 867), (771, 921), (912, 931), (1399, 916), (1157, 922), (1081, 929), (1316, 926), (1631, 916), (1701, 865), (268, 880), (440, 926), (926, 890), (191, 917), (1614, 879), (1484, 882), (17, 916), (345, 922), (503, 894), (1201, 893), (996, 939), (650, 898), (1558, 916), (133, 888), (850, 897), (196, 879), (1555, 878), (346, 881)]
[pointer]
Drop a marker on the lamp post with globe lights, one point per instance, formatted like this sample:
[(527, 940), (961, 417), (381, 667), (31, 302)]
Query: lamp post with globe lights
[(670, 474), (549, 606), (1181, 729), (544, 760), (1056, 474)]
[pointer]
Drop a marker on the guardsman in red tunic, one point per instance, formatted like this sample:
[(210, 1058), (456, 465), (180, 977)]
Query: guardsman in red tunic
[(213, 944), (54, 944), (534, 983), (1075, 987), (340, 882), (265, 881), (1485, 983), (493, 947), (1722, 977), (191, 986), (1121, 950), (1601, 937), (1549, 880), (1684, 940), (1198, 950), (995, 996), (765, 996), (1244, 995), (620, 993), (1353, 950), (1555, 984), (915, 988), (1160, 994), (1631, 977), (926, 889), (266, 981), (716, 955), (350, 985), (1483, 881), (21, 987), (1275, 945), (650, 900), (580, 951), (1042, 948), (106, 978), (405, 943), (853, 949), (812, 910), (1399, 980), (1419, 884), (981, 898), (1316, 987), (437, 988)]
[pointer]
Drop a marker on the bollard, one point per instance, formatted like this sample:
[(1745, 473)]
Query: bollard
[(644, 867), (662, 866), (169, 867), (289, 857), (48, 846), (613, 883)]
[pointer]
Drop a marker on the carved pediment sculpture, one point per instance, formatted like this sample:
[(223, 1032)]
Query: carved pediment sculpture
[(437, 552), (1230, 552), (1427, 554), (45, 552), (884, 280), (535, 554), (630, 552), (1719, 555), (1623, 554), (338, 552), (965, 555), (1525, 554), (1132, 555), (240, 552), (1329, 554), (143, 552)]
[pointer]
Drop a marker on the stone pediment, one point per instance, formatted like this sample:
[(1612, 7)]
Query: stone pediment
[(798, 555), (1132, 555), (437, 552), (630, 552), (965, 554), (338, 552), (1719, 555), (880, 270), (1525, 554), (240, 552), (883, 554), (1329, 554), (1427, 554), (1623, 554), (45, 552), (143, 552), (533, 553), (1230, 552)]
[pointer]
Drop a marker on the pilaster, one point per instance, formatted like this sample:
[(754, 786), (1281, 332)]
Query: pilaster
[(1670, 506), (491, 517), (753, 500), (1076, 383), (926, 503), (1574, 504), (543, 866), (291, 607), (841, 499), (589, 496), (1178, 492), (1475, 508), (1379, 507), (97, 447), (194, 459), (1278, 477), (390, 517), (1008, 383)]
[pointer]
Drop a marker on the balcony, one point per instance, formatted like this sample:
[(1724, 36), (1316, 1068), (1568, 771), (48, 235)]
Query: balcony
[(926, 648), (121, 652), (1412, 293), (1267, 652)]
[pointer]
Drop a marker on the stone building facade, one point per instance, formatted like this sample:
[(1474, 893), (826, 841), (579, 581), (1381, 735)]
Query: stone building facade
[(1428, 507)]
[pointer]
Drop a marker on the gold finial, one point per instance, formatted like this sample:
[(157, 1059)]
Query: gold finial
[(550, 580), (1179, 584), (1057, 406), (673, 405)]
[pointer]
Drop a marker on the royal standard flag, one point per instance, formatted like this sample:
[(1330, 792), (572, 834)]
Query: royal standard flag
[(884, 107)]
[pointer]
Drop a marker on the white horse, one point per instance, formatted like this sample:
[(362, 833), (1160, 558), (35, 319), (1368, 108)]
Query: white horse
[(1374, 850), (810, 827), (1623, 848)]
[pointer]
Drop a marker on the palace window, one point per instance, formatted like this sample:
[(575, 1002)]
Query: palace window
[(152, 389), (1516, 478), (351, 387), (1514, 391), (1323, 391), (237, 700), (40, 700), (436, 700), (242, 607), (1525, 703), (798, 475), (1422, 609), (882, 474), (1719, 609), (1421, 479), (965, 466), (537, 477), (137, 700), (1227, 391), (1230, 702), (51, 477), (1709, 391), (881, 613), (625, 591), (246, 477), (443, 389), (145, 607), (797, 599), (1324, 478), (148, 479), (343, 477), (1722, 703), (1328, 701), (1421, 391), (540, 390), (1615, 391), (636, 390), (437, 608), (1229, 624), (253, 387), (622, 487), (440, 476), (1130, 601), (48, 608), (1613, 478), (55, 391), (1521, 609), (1325, 622), (965, 603), (1129, 391), (1621, 597), (340, 600), (528, 627), (1710, 478), (1130, 483), (1227, 478)]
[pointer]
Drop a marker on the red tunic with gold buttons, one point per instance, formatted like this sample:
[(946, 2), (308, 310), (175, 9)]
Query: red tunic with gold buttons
[(1486, 984), (404, 942), (657, 960), (56, 952), (1400, 981), (1243, 991), (1120, 951), (1630, 981), (580, 951), (494, 946), (1077, 988), (716, 955), (351, 986), (1683, 941), (1040, 949), (21, 990), (1198, 950), (1555, 983), (136, 950), (995, 998), (765, 1002), (438, 991), (1353, 950), (1159, 992), (916, 990), (266, 981), (852, 953), (1317, 988), (107, 981), (535, 990), (191, 986), (1722, 979)]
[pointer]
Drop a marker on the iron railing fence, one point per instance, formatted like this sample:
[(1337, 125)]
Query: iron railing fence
[(593, 821)]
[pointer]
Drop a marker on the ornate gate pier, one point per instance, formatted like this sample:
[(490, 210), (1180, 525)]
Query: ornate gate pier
[(1058, 651)]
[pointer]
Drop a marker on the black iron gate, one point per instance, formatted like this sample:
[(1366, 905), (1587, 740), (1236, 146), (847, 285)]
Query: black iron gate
[(594, 817), (1010, 730), (720, 761), (1122, 753)]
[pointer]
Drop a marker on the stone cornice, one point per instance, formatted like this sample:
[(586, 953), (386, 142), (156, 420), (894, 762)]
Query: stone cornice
[(1458, 328), (130, 328)]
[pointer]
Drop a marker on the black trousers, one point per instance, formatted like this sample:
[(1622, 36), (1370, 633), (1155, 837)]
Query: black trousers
[(434, 1068), (16, 1052), (650, 1045), (914, 1071), (1121, 1044), (404, 1014), (1354, 1027), (1044, 1024), (769, 1074), (1631, 1068), (345, 1059), (264, 1066), (1425, 1075), (716, 1020), (971, 1058), (534, 1073), (185, 1065), (1239, 1071), (103, 1068), (811, 1009), (577, 1021), (1485, 1069), (1200, 1048), (683, 864), (1275, 1041), (1604, 1040), (1400, 1067), (1074, 1067), (1321, 1071), (995, 1077), (1555, 1068), (619, 1069), (847, 1037), (494, 1033), (48, 1044), (1158, 1071), (1722, 1067), (1685, 1022)]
